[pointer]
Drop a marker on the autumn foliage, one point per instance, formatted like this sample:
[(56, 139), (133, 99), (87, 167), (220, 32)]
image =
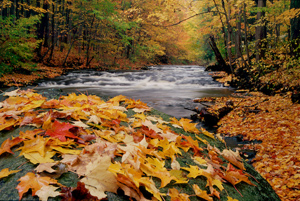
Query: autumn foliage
[(273, 120), (113, 145)]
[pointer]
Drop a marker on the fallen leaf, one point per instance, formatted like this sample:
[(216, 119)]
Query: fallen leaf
[(8, 144), (61, 131), (234, 158), (36, 157), (194, 170), (37, 144), (209, 134), (33, 182), (5, 172), (47, 191), (45, 167), (231, 199), (12, 93), (98, 179), (176, 196), (80, 124), (202, 193), (6, 123)]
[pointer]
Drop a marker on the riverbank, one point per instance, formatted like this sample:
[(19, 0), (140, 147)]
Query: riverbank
[(273, 120), (41, 71)]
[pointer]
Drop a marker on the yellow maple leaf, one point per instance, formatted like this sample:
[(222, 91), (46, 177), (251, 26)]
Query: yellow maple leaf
[(200, 160), (156, 168), (117, 99), (35, 157), (202, 193), (37, 144), (231, 199), (5, 124), (141, 116), (169, 149), (185, 124), (176, 196), (65, 151), (5, 172), (209, 134), (194, 170), (32, 105), (178, 174)]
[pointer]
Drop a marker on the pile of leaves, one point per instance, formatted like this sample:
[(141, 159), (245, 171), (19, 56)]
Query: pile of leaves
[(275, 121), (114, 146), (222, 76)]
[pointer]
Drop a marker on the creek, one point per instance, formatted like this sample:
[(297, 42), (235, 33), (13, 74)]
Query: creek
[(169, 88)]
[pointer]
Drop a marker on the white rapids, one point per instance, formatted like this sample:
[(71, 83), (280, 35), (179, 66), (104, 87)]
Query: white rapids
[(169, 88)]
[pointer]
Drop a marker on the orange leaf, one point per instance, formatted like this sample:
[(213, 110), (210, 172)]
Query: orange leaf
[(33, 182), (176, 196), (201, 193), (234, 158), (8, 144), (6, 124)]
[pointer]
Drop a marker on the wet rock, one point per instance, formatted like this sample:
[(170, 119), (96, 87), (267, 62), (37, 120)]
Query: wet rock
[(262, 191)]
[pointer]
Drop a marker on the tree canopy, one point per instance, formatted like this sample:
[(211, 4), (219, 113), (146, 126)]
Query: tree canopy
[(249, 39)]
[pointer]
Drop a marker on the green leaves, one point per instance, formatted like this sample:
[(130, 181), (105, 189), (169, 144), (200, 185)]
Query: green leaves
[(15, 47)]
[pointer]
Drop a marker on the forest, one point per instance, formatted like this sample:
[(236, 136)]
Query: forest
[(254, 41)]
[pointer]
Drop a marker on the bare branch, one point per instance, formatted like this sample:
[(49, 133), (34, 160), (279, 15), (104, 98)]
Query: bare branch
[(192, 17)]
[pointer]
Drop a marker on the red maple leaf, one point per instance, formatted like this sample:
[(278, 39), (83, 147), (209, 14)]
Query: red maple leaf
[(61, 130)]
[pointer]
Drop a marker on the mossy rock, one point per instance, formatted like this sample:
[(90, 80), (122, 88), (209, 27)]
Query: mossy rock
[(261, 191)]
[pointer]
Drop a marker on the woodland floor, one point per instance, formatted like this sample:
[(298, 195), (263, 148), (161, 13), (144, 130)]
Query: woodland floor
[(273, 120)]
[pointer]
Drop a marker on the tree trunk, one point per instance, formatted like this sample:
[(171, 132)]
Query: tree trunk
[(218, 55), (45, 21), (53, 32), (39, 32), (62, 34), (246, 35), (229, 44), (238, 36), (223, 25), (27, 12), (295, 27), (89, 35), (260, 31), (17, 9), (74, 39)]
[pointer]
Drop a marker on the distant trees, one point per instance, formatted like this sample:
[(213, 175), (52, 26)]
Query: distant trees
[(244, 35), (295, 27), (100, 31)]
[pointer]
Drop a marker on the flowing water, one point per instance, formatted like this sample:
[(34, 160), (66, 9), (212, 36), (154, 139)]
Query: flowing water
[(170, 89)]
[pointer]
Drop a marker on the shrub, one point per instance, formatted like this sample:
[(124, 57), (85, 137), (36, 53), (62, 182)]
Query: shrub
[(17, 43)]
